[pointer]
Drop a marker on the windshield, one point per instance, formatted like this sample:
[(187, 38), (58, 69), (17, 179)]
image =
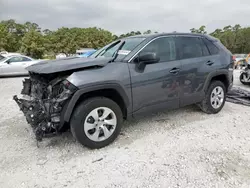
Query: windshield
[(124, 47), (1, 57)]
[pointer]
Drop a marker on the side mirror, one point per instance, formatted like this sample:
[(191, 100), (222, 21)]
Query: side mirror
[(145, 58), (8, 61)]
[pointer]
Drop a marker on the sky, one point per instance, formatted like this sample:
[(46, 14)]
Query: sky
[(122, 16)]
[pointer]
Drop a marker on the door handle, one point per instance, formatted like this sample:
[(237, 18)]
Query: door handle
[(174, 70), (210, 63)]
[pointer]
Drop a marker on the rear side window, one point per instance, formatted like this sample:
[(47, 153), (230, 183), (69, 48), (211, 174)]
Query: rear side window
[(189, 47), (25, 59), (211, 47)]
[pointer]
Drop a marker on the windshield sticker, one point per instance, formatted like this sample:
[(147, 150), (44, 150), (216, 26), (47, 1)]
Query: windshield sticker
[(123, 52)]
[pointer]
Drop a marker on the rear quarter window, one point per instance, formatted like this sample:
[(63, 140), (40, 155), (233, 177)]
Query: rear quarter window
[(25, 59), (211, 47)]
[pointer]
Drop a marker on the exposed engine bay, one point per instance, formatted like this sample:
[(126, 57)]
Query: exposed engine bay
[(44, 97)]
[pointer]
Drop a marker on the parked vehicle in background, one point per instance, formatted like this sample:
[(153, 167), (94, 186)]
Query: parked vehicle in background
[(87, 54), (239, 60), (248, 58), (61, 56), (128, 78), (1, 57), (6, 54), (14, 65), (84, 50), (245, 74)]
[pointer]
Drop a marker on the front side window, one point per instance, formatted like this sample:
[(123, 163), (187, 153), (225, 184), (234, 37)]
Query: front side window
[(189, 47), (164, 48)]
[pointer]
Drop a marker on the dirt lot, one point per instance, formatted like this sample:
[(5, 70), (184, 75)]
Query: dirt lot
[(181, 148)]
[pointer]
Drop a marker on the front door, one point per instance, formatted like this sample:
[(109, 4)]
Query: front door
[(157, 86)]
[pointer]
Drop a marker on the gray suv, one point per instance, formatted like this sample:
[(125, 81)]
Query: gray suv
[(128, 78)]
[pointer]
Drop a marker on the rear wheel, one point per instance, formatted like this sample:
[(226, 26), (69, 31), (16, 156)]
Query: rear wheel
[(96, 122), (214, 99)]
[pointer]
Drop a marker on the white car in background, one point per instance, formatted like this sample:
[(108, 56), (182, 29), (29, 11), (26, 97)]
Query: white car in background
[(1, 57), (6, 54), (14, 65)]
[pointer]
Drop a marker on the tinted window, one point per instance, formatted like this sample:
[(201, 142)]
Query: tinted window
[(163, 47), (204, 48), (25, 59), (189, 47), (1, 57), (211, 47), (15, 59)]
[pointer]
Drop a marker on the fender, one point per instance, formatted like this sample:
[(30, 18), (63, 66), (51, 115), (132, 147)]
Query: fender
[(213, 74), (69, 107)]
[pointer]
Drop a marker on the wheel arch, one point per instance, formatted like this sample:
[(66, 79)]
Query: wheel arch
[(221, 75), (113, 91)]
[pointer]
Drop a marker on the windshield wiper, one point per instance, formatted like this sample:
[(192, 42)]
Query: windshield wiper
[(116, 52)]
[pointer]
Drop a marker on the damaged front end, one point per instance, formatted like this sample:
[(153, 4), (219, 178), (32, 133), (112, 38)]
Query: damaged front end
[(44, 97)]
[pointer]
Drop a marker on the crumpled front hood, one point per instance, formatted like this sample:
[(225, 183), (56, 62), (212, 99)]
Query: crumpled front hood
[(66, 64)]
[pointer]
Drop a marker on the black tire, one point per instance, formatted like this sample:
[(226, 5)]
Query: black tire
[(80, 114), (241, 77), (206, 105)]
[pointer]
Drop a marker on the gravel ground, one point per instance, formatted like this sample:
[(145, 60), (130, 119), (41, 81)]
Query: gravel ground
[(181, 148)]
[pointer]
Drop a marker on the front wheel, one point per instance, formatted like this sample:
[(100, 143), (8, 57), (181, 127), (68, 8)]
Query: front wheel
[(96, 122), (214, 98)]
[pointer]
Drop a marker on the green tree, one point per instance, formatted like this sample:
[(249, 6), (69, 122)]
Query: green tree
[(33, 44), (147, 32), (30, 39), (14, 36), (193, 30), (201, 30), (3, 37)]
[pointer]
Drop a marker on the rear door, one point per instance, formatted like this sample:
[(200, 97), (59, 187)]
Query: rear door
[(196, 64)]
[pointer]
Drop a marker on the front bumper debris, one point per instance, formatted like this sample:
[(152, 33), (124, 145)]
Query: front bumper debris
[(42, 104)]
